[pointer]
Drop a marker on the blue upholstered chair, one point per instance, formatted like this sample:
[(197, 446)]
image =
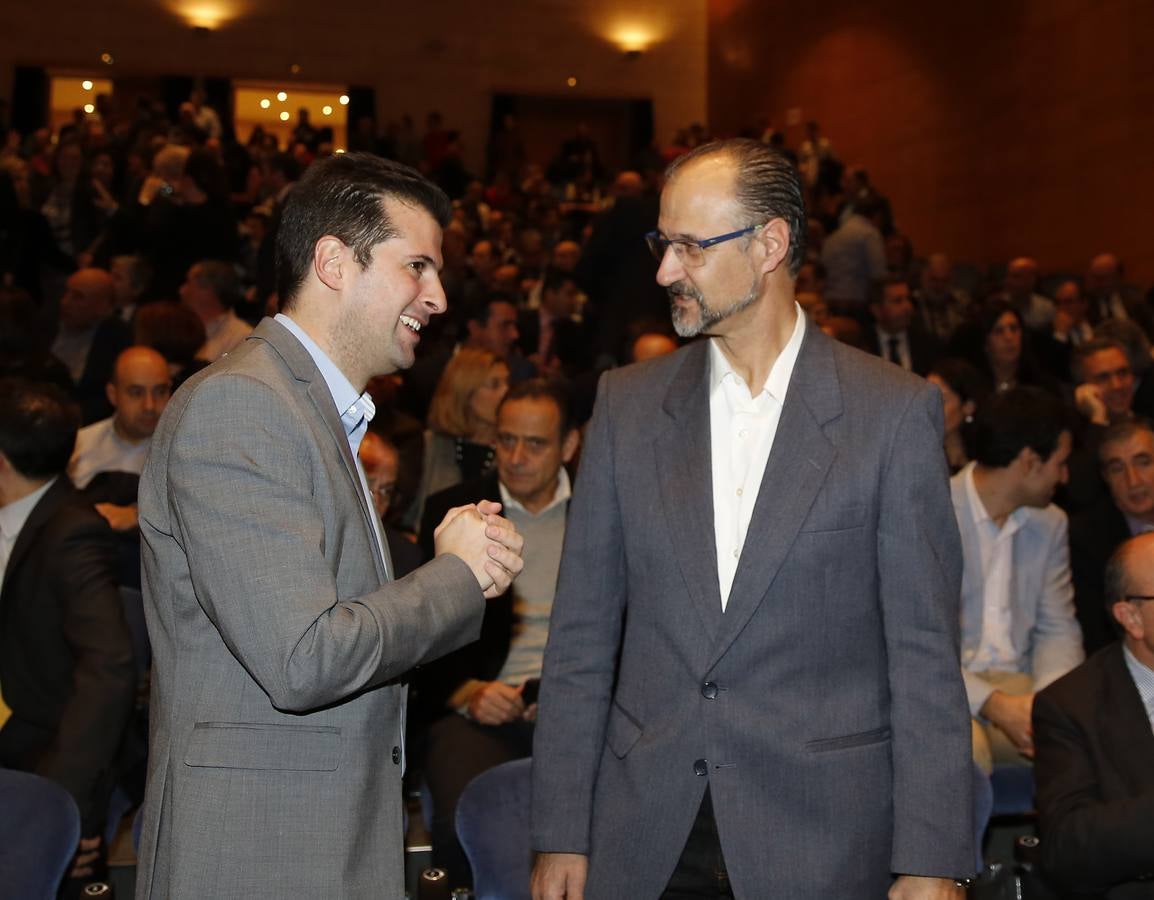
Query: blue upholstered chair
[(493, 828), (1013, 790), (39, 834)]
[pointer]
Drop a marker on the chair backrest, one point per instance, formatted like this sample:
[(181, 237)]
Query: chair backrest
[(493, 828), (39, 834)]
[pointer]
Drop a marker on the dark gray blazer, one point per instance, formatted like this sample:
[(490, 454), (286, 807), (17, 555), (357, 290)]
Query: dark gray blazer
[(278, 641), (824, 707)]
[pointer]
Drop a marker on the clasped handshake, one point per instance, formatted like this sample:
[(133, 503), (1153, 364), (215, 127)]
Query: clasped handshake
[(487, 543)]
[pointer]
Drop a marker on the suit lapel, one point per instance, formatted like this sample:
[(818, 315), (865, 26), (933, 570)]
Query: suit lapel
[(304, 369), (52, 500), (684, 467), (797, 468), (1124, 724)]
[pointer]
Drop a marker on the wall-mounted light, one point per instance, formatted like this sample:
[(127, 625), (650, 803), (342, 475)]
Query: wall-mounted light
[(107, 59), (571, 81), (295, 69), (281, 96), (284, 116), (344, 99), (86, 84), (89, 108), (204, 16), (327, 110), (265, 103)]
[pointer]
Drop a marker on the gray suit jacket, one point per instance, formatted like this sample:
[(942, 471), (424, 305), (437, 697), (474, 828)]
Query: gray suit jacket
[(278, 642), (824, 707)]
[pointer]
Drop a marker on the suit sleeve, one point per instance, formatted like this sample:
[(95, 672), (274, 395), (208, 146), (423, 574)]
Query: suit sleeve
[(580, 657), (1087, 844), (247, 504), (1057, 636), (920, 566), (103, 677)]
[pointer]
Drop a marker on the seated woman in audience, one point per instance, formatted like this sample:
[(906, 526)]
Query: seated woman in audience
[(960, 385), (462, 423), (998, 347)]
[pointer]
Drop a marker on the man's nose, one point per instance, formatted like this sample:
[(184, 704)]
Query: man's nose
[(671, 270)]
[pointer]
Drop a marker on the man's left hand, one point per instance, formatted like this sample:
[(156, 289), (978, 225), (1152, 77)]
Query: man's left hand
[(920, 887)]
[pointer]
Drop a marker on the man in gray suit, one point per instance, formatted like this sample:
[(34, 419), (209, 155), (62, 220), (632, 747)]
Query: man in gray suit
[(751, 688), (280, 639)]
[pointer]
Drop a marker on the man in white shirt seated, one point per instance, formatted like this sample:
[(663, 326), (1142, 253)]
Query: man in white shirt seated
[(138, 392), (1019, 631), (1095, 739), (211, 290)]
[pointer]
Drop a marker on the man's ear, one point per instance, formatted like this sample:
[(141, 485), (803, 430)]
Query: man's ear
[(1027, 460), (110, 393), (775, 240), (570, 444), (329, 260), (1126, 615)]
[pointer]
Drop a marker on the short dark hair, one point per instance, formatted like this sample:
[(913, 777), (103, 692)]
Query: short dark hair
[(221, 278), (1122, 430), (1091, 347), (877, 289), (478, 310), (344, 195), (38, 425), (544, 389), (768, 187), (554, 279), (961, 378), (1021, 417)]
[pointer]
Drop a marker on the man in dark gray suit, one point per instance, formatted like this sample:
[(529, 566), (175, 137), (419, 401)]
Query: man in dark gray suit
[(751, 684), (280, 637)]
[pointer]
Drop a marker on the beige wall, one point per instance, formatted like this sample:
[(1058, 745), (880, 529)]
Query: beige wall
[(449, 55)]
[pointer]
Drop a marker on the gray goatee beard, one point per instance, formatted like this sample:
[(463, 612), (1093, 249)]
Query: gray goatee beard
[(688, 326)]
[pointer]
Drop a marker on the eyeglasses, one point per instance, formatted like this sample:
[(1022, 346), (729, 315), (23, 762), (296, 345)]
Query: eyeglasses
[(691, 253)]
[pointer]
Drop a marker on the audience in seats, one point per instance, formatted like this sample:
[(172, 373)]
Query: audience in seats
[(552, 337), (1019, 632), (854, 258), (941, 306), (1094, 739), (960, 385), (1125, 455), (381, 463), (896, 334), (66, 665), (89, 338), (211, 290), (477, 695), (1109, 300)]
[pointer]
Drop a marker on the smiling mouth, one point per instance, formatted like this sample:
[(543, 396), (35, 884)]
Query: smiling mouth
[(414, 325)]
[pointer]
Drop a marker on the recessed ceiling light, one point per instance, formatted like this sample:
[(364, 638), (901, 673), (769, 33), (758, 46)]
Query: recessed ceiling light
[(284, 116), (282, 96), (344, 99)]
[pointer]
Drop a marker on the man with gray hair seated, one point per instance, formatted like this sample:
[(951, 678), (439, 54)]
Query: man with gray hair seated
[(211, 290)]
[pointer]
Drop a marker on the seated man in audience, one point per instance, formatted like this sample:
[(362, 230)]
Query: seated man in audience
[(1019, 632), (1108, 298), (1020, 290), (138, 391), (896, 335), (212, 290), (552, 337), (482, 692), (66, 668), (90, 337), (1094, 737), (1126, 459), (941, 306)]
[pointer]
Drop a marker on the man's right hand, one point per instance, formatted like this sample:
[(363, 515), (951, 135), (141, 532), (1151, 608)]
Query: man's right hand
[(1011, 713), (559, 876), (496, 703), (488, 544)]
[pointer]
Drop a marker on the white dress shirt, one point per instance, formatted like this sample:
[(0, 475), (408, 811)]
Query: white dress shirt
[(742, 430), (903, 347), (100, 449), (996, 651)]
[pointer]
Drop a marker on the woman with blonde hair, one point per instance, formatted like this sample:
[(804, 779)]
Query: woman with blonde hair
[(462, 424)]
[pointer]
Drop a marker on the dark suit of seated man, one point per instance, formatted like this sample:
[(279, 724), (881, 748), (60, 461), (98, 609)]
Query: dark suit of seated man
[(897, 334), (476, 697), (66, 669), (1094, 744)]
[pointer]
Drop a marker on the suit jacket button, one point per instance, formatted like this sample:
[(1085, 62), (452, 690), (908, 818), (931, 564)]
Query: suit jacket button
[(709, 690), (700, 767), (396, 756)]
